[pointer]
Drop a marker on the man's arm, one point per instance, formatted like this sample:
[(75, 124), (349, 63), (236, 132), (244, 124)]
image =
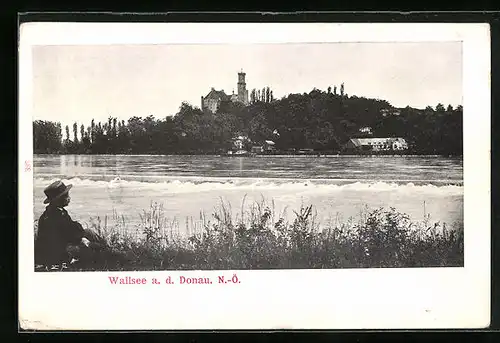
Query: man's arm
[(80, 234), (73, 229)]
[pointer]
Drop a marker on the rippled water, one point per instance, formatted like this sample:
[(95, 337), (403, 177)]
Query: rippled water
[(187, 185)]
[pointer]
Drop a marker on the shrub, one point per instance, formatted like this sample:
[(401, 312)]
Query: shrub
[(257, 238)]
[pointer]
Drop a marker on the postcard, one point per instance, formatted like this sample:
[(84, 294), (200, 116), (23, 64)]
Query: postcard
[(227, 176)]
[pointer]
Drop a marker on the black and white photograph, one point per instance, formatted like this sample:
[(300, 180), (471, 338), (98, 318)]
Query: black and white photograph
[(246, 156)]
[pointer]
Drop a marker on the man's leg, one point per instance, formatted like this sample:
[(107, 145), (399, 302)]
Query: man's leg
[(94, 237), (80, 256)]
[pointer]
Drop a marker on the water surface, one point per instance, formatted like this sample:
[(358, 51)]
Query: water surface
[(337, 186)]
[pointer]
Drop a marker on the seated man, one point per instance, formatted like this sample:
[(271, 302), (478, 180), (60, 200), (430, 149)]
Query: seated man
[(61, 240)]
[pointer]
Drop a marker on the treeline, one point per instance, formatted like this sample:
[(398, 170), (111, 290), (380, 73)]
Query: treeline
[(319, 120), (264, 95)]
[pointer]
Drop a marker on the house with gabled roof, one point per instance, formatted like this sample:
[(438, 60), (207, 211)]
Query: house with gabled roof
[(376, 145)]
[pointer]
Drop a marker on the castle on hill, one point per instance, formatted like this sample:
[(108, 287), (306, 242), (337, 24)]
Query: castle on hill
[(214, 98)]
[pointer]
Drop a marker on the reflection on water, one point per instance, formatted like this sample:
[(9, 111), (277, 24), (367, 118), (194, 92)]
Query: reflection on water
[(79, 164)]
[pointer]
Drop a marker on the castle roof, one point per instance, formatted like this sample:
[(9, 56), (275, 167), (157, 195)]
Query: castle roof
[(218, 95)]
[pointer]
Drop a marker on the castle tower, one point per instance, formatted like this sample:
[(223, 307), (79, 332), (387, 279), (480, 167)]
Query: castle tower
[(242, 88)]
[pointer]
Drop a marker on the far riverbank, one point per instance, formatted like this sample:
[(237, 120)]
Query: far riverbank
[(256, 155)]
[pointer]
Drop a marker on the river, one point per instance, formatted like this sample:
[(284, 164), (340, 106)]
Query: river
[(338, 187)]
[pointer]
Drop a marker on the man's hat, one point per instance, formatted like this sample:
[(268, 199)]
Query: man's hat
[(55, 190)]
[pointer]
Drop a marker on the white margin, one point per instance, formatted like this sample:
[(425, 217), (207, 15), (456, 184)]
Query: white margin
[(278, 299)]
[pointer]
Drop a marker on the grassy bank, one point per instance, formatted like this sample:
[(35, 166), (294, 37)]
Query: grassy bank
[(257, 238)]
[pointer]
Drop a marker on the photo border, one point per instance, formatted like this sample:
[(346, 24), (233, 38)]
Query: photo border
[(478, 157)]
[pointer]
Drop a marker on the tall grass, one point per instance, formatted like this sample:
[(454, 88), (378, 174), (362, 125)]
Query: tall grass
[(257, 238)]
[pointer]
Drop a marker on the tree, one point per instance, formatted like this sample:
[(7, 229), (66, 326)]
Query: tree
[(334, 90), (252, 96), (75, 133), (59, 131), (101, 145), (329, 89), (342, 89), (84, 140), (47, 137), (123, 139), (440, 108), (67, 144), (109, 126), (92, 131), (81, 148)]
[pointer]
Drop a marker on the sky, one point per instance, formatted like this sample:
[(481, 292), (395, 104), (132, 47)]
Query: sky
[(81, 82)]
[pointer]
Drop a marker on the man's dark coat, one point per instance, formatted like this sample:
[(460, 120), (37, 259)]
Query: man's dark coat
[(56, 230)]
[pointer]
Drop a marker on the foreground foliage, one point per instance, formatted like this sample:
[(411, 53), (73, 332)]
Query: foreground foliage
[(258, 239)]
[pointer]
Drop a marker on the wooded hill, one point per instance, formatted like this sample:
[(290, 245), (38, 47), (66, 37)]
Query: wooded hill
[(319, 120)]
